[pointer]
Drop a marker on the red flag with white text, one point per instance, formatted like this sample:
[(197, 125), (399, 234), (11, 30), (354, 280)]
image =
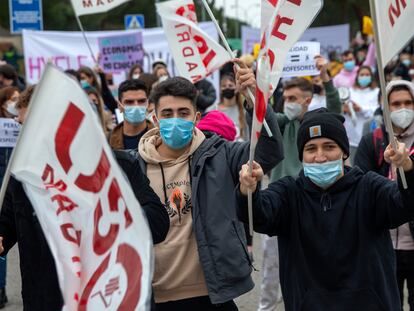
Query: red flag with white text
[(93, 223)]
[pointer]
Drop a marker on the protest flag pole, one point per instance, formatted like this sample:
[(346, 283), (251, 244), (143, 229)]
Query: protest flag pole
[(386, 108), (228, 48), (6, 177), (85, 38)]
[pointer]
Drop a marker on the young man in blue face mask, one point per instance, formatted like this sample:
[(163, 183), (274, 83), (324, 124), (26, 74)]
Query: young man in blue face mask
[(203, 264), (133, 103), (332, 222)]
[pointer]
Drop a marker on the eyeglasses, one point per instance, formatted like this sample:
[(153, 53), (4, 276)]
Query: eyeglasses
[(130, 102)]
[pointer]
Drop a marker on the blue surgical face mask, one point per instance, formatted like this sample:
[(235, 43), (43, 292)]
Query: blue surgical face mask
[(349, 65), (364, 81), (85, 84), (323, 174), (406, 62), (135, 114), (176, 133)]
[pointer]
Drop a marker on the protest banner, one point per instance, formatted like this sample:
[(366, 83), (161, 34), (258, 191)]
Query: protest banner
[(84, 7), (9, 131), (395, 27), (93, 224), (332, 38), (196, 55), (119, 53), (66, 49), (300, 60)]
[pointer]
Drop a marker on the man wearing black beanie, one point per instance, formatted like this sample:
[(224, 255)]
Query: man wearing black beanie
[(332, 222)]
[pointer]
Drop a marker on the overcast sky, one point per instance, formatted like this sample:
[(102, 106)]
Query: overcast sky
[(248, 10)]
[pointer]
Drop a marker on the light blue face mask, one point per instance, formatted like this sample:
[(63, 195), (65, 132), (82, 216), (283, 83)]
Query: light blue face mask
[(364, 81), (325, 174), (135, 114), (85, 84), (176, 133), (406, 62), (349, 65)]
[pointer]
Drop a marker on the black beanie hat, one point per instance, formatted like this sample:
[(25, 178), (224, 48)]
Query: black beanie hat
[(322, 123)]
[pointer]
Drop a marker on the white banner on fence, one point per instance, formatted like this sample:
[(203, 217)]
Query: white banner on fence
[(331, 38), (91, 219), (300, 60), (9, 131), (68, 49)]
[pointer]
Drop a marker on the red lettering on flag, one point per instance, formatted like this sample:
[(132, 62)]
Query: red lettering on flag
[(396, 11)]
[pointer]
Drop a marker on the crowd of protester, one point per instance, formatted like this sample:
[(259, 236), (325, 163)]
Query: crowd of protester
[(142, 116)]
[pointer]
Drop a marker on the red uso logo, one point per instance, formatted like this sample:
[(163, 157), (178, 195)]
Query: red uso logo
[(126, 256), (188, 11)]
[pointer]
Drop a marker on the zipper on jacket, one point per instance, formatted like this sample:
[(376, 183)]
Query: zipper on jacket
[(326, 201)]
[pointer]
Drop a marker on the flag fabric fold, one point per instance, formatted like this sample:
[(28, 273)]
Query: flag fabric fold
[(85, 7), (395, 27), (196, 55)]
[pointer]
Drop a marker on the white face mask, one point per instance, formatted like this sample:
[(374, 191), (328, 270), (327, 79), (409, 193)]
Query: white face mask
[(402, 117), (292, 110), (11, 107), (135, 76)]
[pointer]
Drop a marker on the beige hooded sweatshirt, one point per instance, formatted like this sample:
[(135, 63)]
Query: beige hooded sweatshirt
[(178, 273)]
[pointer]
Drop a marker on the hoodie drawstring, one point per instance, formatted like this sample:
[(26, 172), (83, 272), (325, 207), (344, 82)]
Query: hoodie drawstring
[(326, 201)]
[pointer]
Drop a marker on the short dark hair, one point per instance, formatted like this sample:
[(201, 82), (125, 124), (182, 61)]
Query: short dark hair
[(400, 87), (177, 87), (301, 83), (347, 52), (8, 71), (132, 85)]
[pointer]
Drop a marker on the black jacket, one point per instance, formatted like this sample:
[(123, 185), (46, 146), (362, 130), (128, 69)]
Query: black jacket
[(335, 248), (19, 224), (221, 239)]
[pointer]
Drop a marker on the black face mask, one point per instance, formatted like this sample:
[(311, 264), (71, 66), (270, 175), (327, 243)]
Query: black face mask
[(317, 89), (228, 93), (110, 82)]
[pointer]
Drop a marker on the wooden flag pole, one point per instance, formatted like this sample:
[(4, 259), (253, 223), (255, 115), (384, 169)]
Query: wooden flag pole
[(386, 108)]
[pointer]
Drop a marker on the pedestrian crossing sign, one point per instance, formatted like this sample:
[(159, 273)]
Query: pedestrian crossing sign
[(134, 21)]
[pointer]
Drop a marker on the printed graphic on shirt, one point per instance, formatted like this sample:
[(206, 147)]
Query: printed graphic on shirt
[(178, 204)]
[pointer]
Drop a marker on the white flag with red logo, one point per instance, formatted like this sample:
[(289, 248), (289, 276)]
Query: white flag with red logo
[(84, 7), (286, 26), (91, 219), (394, 19), (196, 55), (283, 23)]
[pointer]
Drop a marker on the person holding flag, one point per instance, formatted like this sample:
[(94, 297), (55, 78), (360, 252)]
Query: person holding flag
[(19, 223), (332, 221), (203, 263), (370, 157)]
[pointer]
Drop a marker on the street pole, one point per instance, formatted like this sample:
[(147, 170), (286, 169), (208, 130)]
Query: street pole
[(237, 19)]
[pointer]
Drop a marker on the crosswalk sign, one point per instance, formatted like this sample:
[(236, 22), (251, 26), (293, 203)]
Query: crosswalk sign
[(134, 21)]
